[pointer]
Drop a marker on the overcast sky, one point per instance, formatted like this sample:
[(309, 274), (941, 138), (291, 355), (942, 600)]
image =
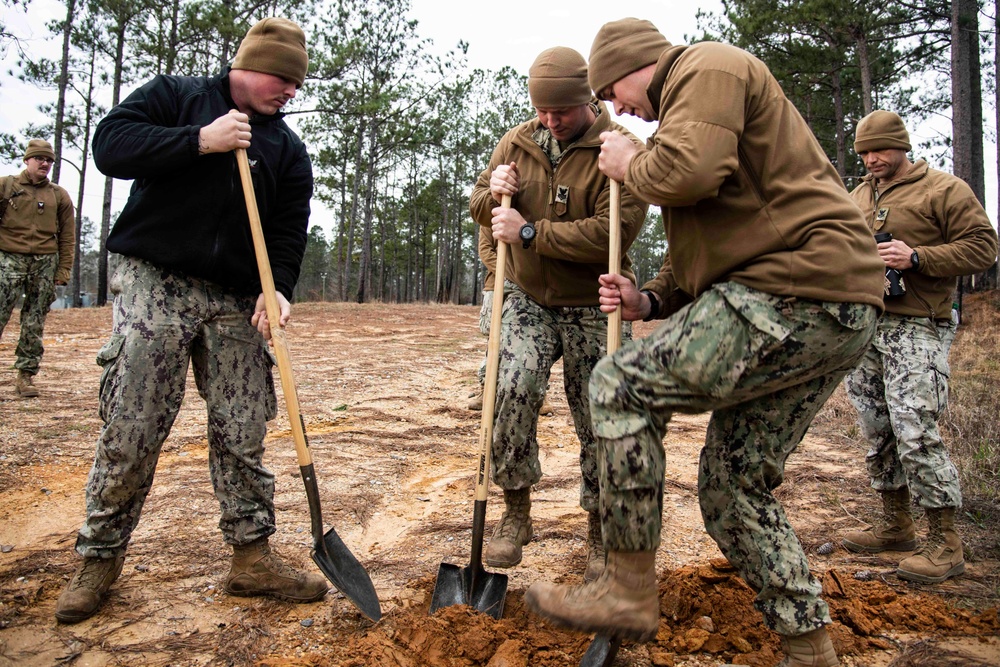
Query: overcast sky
[(512, 34)]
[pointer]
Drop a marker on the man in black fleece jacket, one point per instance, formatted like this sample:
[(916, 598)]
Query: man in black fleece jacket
[(187, 291)]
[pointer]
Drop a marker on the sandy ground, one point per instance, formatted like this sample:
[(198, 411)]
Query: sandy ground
[(383, 392)]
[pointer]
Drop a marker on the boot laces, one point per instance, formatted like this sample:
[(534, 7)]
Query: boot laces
[(277, 566), (511, 524), (92, 573)]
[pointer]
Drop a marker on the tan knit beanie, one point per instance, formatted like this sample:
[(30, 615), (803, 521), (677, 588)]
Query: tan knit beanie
[(558, 78), (622, 47), (39, 148), (274, 46), (880, 130)]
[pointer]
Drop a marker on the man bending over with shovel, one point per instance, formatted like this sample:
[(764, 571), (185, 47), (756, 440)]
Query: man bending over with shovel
[(186, 290), (771, 287), (557, 229)]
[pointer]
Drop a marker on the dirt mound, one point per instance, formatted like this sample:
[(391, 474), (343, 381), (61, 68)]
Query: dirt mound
[(705, 608)]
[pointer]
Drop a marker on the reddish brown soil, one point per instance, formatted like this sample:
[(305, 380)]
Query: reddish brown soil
[(383, 391)]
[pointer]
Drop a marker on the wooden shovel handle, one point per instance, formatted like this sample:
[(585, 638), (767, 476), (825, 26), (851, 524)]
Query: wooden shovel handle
[(615, 263), (492, 369), (273, 313)]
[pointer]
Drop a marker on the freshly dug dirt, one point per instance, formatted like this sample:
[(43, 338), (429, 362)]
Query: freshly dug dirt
[(383, 391)]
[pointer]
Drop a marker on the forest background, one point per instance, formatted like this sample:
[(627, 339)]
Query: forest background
[(399, 127)]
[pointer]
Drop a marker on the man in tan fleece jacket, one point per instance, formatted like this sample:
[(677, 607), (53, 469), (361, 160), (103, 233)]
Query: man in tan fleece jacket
[(771, 289), (938, 231), (558, 231), (37, 238)]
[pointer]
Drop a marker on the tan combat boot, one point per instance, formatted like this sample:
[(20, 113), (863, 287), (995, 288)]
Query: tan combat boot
[(941, 556), (813, 649), (595, 548), (256, 570), (513, 531), (546, 408), (476, 399), (893, 533), (623, 602), (24, 386), (85, 592)]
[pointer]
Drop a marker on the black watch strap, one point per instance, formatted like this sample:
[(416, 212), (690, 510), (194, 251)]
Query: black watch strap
[(654, 305)]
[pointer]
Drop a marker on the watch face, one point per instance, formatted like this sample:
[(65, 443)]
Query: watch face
[(527, 232)]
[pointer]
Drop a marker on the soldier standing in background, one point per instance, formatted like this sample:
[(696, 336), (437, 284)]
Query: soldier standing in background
[(37, 244), (932, 229)]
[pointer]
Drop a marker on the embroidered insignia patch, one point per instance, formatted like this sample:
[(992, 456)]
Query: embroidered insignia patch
[(562, 194), (882, 214)]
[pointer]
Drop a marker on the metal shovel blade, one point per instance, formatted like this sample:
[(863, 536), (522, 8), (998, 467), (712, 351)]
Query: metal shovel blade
[(345, 572), (601, 652), (483, 591)]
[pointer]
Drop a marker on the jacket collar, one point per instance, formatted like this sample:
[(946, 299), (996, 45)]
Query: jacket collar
[(23, 179), (654, 91), (223, 82), (916, 172)]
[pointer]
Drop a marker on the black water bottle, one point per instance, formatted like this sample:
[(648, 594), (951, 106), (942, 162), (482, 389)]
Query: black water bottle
[(894, 285)]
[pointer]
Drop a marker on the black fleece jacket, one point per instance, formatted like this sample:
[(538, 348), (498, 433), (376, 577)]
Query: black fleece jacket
[(186, 212)]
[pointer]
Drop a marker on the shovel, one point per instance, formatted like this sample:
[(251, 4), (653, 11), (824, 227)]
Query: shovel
[(602, 649), (329, 552), (472, 585)]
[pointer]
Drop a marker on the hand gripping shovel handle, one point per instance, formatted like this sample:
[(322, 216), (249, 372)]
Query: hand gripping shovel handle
[(603, 649), (330, 553), (615, 264)]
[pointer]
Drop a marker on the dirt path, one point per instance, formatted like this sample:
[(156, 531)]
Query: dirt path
[(383, 391)]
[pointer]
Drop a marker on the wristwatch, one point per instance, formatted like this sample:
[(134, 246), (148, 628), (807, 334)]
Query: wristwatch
[(915, 260), (527, 234)]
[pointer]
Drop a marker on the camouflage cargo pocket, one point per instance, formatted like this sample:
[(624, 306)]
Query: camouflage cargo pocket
[(107, 359)]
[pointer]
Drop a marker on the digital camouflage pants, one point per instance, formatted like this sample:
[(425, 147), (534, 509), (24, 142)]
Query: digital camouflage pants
[(532, 339), (900, 390), (763, 365), (162, 321), (33, 276)]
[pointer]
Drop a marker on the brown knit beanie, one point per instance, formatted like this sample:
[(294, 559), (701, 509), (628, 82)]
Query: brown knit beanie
[(558, 78), (274, 46), (39, 148), (622, 47), (880, 130)]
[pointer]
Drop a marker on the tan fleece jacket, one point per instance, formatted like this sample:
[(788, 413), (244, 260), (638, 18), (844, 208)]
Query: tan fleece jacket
[(746, 191), (570, 207), (936, 214), (38, 222)]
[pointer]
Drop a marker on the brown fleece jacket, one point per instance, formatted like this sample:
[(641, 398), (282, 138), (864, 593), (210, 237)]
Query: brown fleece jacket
[(39, 220), (938, 215), (746, 191), (570, 250)]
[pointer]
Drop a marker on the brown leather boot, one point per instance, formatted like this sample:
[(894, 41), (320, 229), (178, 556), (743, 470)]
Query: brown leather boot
[(85, 592), (813, 649), (476, 399), (256, 570), (893, 533), (24, 386), (941, 556), (623, 602), (513, 531), (546, 408), (596, 556)]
